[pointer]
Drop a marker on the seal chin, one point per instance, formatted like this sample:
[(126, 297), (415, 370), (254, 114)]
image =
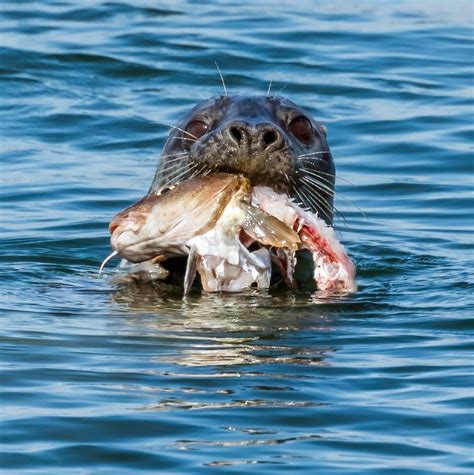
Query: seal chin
[(270, 140)]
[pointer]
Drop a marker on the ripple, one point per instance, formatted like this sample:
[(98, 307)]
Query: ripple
[(103, 379)]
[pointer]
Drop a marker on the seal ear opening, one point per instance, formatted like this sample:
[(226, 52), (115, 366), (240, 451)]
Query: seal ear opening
[(324, 129)]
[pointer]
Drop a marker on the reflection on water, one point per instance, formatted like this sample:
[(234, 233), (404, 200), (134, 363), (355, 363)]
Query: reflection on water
[(97, 379), (227, 329)]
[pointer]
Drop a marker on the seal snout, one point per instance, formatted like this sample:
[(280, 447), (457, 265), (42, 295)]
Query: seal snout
[(268, 139), (264, 137)]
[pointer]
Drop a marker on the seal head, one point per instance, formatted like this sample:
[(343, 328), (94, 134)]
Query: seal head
[(268, 139)]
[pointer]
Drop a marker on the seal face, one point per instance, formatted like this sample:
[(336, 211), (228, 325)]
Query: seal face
[(268, 139)]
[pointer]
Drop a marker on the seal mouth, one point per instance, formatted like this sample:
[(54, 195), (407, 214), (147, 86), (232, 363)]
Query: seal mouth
[(255, 177), (269, 140)]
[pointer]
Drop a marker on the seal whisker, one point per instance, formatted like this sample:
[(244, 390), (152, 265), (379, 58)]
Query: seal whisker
[(167, 168), (318, 200), (312, 153), (314, 201), (313, 159), (316, 196), (327, 185), (182, 130), (308, 173), (303, 202), (181, 176), (321, 180), (321, 204), (172, 155), (313, 186), (199, 171), (195, 171), (183, 139), (269, 88), (300, 192), (322, 186), (169, 171), (174, 161), (339, 178), (164, 162), (320, 172), (175, 169), (279, 90), (222, 78), (326, 188)]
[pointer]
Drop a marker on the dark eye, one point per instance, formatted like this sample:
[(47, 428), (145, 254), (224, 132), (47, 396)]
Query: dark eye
[(196, 129), (301, 128)]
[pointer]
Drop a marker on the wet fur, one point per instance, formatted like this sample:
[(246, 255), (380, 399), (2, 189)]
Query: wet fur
[(304, 171)]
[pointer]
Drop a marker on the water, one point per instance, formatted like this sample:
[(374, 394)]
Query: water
[(100, 380)]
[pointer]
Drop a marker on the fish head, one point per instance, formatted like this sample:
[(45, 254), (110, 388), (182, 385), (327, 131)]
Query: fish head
[(162, 222)]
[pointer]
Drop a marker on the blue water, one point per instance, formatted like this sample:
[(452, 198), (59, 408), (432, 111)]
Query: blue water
[(97, 379)]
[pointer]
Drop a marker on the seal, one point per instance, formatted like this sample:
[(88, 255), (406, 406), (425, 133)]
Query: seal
[(268, 139)]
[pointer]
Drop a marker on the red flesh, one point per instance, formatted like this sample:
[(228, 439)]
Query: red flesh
[(314, 241)]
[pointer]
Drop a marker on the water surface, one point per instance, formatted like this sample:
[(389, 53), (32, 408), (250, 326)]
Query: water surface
[(104, 380)]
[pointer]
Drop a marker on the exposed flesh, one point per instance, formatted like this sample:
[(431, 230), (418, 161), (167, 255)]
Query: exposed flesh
[(334, 271), (214, 219)]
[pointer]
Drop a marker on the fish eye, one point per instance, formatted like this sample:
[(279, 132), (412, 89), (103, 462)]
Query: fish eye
[(301, 128), (196, 129)]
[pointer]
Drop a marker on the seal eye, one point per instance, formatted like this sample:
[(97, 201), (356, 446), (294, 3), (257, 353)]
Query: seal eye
[(301, 128), (197, 128)]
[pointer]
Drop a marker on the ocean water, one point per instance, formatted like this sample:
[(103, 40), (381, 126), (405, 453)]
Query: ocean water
[(97, 379)]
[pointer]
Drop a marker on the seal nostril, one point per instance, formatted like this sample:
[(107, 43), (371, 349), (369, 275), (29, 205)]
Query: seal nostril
[(236, 133), (269, 137)]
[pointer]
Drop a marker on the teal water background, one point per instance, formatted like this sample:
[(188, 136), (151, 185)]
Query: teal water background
[(98, 380)]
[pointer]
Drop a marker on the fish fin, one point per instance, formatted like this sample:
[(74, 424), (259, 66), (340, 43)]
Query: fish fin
[(258, 260), (269, 230), (191, 268)]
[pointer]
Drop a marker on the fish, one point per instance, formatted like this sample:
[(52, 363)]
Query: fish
[(231, 233)]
